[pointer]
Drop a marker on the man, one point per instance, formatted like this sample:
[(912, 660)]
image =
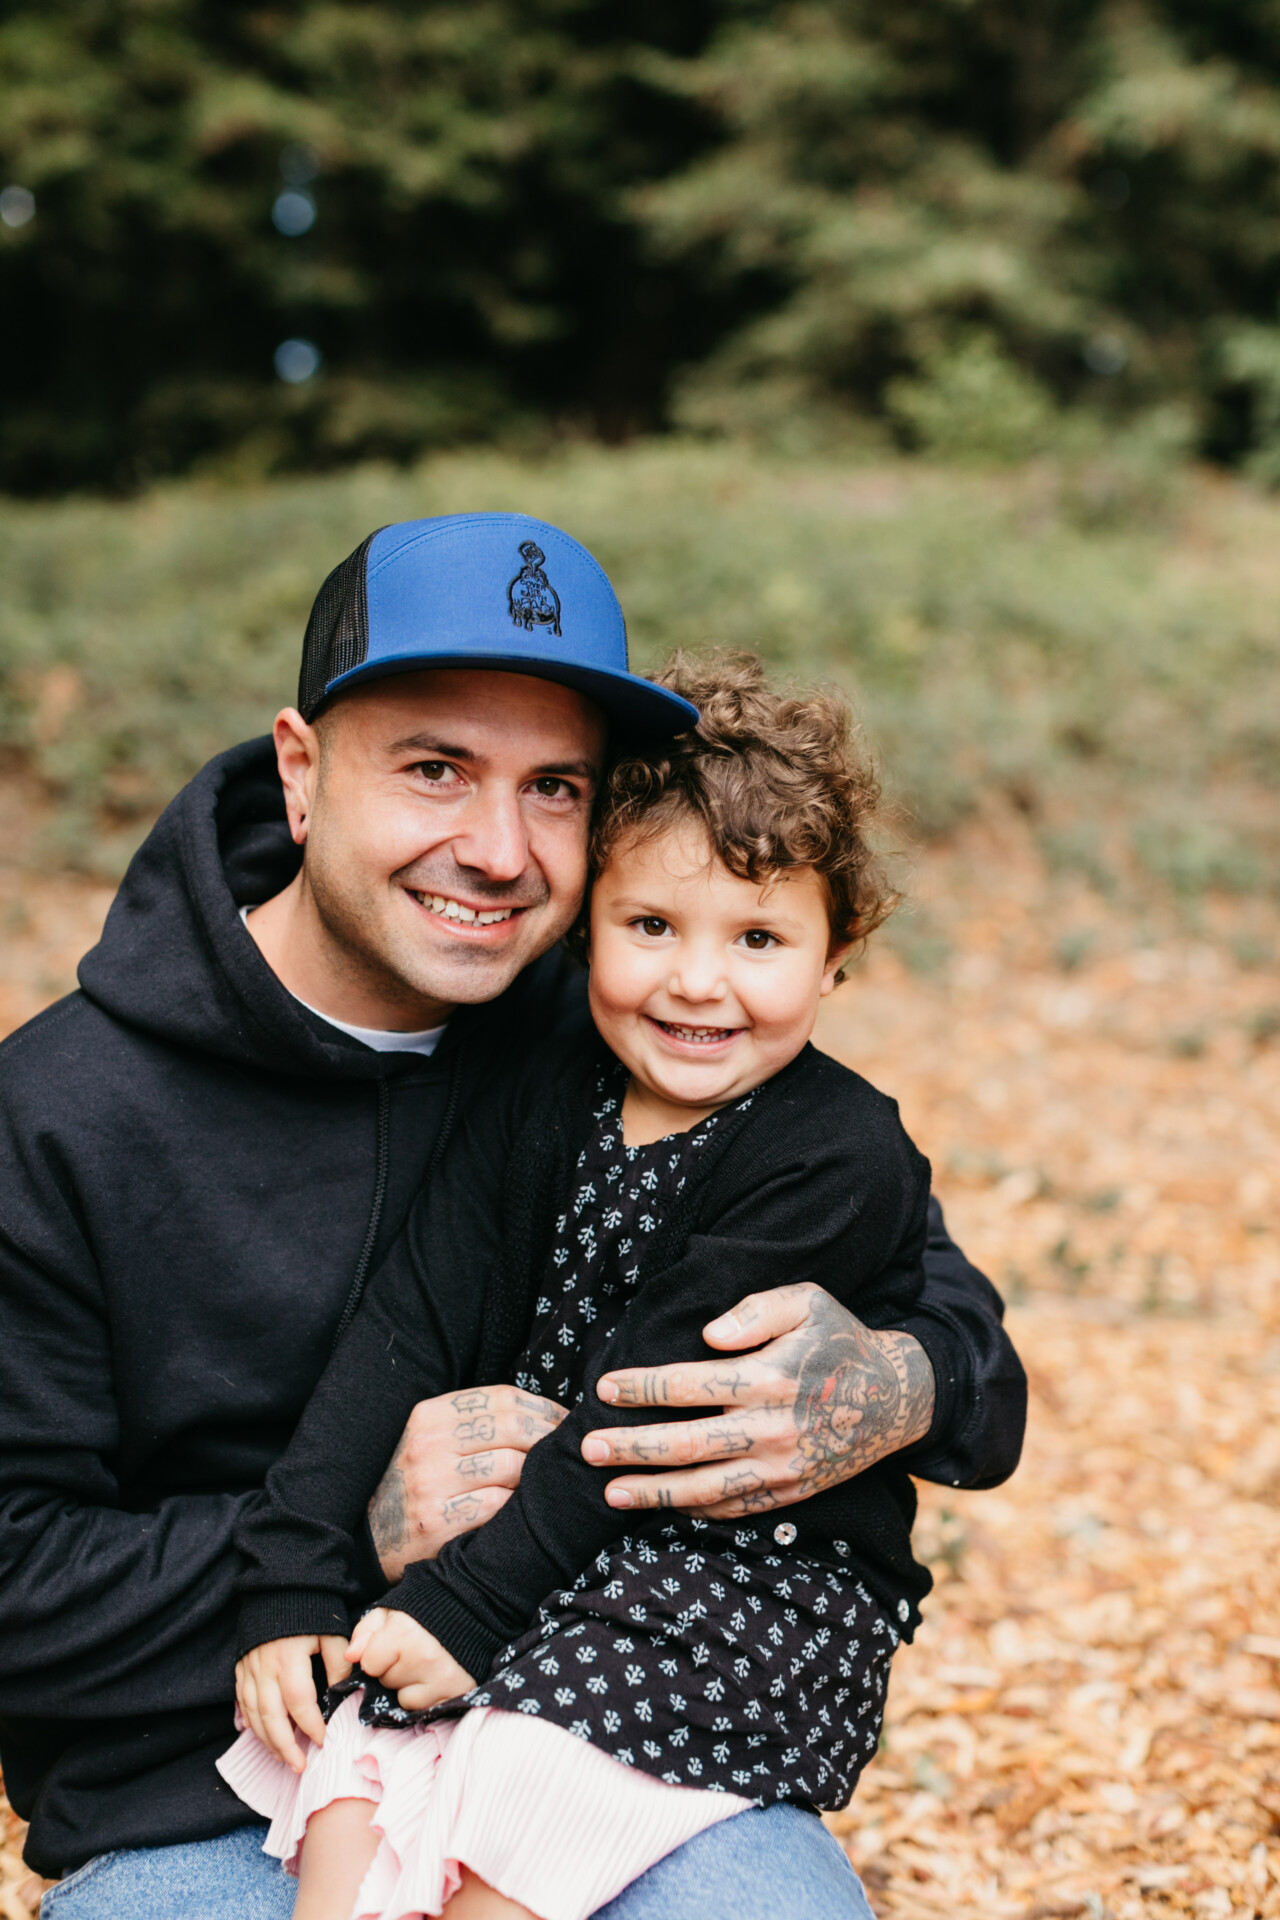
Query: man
[(323, 945)]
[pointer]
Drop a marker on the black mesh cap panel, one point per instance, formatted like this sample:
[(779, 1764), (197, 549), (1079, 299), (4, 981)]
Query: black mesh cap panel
[(337, 636)]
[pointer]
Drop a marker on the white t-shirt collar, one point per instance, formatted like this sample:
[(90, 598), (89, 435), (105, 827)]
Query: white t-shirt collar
[(381, 1039)]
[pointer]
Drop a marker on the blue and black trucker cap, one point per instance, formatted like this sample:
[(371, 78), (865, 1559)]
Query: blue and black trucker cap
[(480, 590)]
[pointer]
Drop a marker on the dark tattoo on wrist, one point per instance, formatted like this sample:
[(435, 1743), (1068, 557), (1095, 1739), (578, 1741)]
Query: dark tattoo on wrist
[(859, 1395), (389, 1513)]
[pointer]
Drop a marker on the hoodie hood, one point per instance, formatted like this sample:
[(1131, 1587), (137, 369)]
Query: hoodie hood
[(175, 959)]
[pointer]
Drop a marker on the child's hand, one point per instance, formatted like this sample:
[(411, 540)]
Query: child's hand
[(275, 1691), (393, 1648)]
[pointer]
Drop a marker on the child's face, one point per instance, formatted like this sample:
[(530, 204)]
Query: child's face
[(703, 984)]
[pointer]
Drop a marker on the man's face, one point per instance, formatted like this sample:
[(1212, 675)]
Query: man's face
[(446, 845)]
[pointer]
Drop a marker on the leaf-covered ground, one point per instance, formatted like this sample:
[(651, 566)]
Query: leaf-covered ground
[(1089, 1721)]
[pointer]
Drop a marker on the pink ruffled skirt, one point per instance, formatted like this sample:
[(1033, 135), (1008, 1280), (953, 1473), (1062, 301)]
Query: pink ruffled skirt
[(544, 1817)]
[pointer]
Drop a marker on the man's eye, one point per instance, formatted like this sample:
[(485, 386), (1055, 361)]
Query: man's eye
[(757, 940), (551, 788), (438, 772)]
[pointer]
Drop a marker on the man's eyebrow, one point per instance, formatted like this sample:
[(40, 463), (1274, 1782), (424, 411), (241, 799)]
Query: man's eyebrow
[(431, 747), (583, 769), (429, 743)]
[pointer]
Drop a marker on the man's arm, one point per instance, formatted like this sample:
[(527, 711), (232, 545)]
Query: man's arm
[(946, 1384), (483, 1589), (102, 1611), (980, 1415)]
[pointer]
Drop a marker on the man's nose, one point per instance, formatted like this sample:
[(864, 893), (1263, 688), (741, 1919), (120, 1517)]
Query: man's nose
[(494, 841)]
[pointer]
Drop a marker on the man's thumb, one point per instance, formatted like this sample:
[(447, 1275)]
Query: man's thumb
[(760, 1317)]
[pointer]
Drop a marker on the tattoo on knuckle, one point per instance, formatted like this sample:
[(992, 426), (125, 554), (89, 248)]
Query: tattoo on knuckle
[(474, 1466), (483, 1428), (475, 1400)]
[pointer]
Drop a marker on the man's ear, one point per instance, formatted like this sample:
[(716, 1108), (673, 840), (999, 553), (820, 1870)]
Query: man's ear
[(298, 759), (835, 960)]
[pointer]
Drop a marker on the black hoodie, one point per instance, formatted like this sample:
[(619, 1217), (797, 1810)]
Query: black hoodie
[(196, 1175)]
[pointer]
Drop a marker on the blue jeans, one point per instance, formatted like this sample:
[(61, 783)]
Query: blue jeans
[(772, 1863)]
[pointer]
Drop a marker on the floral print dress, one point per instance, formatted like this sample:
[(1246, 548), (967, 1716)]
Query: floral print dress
[(703, 1652)]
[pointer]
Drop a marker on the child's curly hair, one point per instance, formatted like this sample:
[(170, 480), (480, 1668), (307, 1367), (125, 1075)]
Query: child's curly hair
[(779, 780)]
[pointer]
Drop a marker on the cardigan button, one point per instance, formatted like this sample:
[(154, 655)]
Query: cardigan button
[(784, 1534)]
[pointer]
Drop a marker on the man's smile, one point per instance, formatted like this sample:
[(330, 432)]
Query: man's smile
[(473, 925), (445, 909)]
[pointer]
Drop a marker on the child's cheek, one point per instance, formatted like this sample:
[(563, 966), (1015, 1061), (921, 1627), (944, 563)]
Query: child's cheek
[(624, 977), (619, 987)]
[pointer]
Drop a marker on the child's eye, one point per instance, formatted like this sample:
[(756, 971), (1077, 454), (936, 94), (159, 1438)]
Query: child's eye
[(653, 926), (757, 940)]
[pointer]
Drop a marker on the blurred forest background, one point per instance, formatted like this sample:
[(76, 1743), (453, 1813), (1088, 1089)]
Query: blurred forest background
[(933, 348), (978, 224), (681, 270)]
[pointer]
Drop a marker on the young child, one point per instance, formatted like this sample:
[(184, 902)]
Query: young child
[(552, 1704)]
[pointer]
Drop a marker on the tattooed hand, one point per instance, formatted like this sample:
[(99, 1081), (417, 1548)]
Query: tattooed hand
[(460, 1457), (824, 1399)]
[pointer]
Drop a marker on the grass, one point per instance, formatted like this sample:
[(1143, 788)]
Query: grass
[(1100, 652)]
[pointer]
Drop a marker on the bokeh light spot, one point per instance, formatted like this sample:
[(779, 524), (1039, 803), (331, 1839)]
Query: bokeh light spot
[(296, 361), (17, 206), (294, 213)]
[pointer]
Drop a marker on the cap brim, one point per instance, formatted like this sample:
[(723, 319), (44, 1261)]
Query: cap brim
[(634, 705)]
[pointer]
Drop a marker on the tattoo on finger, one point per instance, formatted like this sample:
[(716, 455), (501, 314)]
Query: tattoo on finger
[(761, 1500), (475, 1400), (475, 1466), (726, 1385), (650, 1390), (483, 1428), (547, 1411), (746, 1485), (723, 1441), (463, 1511)]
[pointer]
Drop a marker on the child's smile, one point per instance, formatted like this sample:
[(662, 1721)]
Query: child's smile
[(704, 984), (700, 1038)]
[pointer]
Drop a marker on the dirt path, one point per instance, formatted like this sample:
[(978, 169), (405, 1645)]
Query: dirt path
[(1089, 1721)]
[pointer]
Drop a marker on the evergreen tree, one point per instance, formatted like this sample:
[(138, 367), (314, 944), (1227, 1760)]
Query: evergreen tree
[(956, 208), (340, 228), (428, 195)]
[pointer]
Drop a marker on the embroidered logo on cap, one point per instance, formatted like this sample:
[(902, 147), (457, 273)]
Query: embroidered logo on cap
[(531, 597)]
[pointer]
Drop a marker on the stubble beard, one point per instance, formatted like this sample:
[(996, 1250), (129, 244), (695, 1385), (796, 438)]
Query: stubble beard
[(373, 945)]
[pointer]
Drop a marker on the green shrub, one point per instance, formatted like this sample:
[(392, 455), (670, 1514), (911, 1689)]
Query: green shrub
[(970, 401), (1115, 677)]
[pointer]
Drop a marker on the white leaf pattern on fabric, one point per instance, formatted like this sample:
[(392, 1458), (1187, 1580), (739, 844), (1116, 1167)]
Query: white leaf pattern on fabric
[(714, 1657)]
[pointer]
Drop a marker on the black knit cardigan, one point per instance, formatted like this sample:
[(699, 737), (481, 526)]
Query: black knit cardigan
[(815, 1181)]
